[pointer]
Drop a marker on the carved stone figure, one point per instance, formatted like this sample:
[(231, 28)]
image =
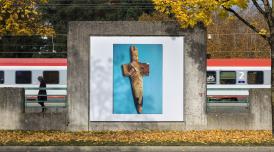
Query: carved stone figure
[(136, 70)]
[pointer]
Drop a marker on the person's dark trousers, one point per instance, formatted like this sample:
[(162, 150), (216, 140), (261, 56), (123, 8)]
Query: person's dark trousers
[(43, 106)]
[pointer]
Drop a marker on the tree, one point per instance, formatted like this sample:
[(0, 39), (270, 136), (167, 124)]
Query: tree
[(22, 18), (231, 38), (190, 12), (21, 21), (59, 12)]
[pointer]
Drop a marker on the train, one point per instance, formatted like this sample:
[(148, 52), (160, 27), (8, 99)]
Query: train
[(230, 79), (227, 79), (24, 73)]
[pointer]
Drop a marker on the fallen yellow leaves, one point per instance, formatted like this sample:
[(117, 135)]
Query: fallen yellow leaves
[(211, 137)]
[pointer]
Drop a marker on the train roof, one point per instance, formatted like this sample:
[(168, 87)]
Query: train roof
[(239, 62), (33, 62), (63, 62)]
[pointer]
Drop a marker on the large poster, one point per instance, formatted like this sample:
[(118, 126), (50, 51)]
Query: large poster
[(136, 78)]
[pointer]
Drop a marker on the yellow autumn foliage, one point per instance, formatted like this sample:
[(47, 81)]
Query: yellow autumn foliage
[(190, 12), (220, 137), (263, 32), (22, 18)]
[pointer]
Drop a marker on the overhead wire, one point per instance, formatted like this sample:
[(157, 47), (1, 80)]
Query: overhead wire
[(109, 5), (139, 4)]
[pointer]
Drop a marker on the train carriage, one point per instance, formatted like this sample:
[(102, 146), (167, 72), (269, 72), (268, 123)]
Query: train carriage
[(230, 79)]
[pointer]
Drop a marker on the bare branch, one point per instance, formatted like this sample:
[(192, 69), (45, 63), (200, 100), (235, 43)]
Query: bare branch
[(266, 13), (259, 8), (247, 23), (267, 7)]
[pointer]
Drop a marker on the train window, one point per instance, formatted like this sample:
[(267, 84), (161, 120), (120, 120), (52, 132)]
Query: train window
[(23, 77), (227, 77), (255, 77), (211, 77), (2, 77), (51, 77)]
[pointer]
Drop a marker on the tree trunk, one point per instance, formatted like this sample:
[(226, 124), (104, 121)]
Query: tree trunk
[(272, 74)]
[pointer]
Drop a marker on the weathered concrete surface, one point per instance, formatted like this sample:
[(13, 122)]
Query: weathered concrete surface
[(260, 109), (78, 72), (11, 108), (258, 117), (13, 117), (97, 126), (44, 121), (136, 148)]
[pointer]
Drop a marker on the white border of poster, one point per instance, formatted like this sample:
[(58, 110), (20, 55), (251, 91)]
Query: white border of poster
[(101, 78)]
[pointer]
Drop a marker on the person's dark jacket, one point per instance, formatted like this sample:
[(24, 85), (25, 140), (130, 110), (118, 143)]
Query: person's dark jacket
[(42, 92)]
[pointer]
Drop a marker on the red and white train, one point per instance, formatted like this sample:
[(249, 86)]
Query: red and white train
[(226, 78), (230, 79), (23, 73)]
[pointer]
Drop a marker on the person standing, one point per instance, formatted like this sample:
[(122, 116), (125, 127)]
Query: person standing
[(42, 94)]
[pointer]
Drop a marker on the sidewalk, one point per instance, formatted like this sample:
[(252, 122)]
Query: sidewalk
[(136, 148)]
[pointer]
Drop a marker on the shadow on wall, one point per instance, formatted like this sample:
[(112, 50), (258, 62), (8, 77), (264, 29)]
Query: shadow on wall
[(102, 92), (197, 53)]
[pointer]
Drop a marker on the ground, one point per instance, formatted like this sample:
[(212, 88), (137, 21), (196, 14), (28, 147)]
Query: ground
[(137, 138)]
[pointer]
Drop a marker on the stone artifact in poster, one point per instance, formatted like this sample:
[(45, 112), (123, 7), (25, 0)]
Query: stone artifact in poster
[(136, 70), (137, 79)]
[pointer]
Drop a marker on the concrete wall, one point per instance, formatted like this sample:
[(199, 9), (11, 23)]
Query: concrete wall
[(258, 117), (14, 117), (196, 117), (78, 72), (11, 108)]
